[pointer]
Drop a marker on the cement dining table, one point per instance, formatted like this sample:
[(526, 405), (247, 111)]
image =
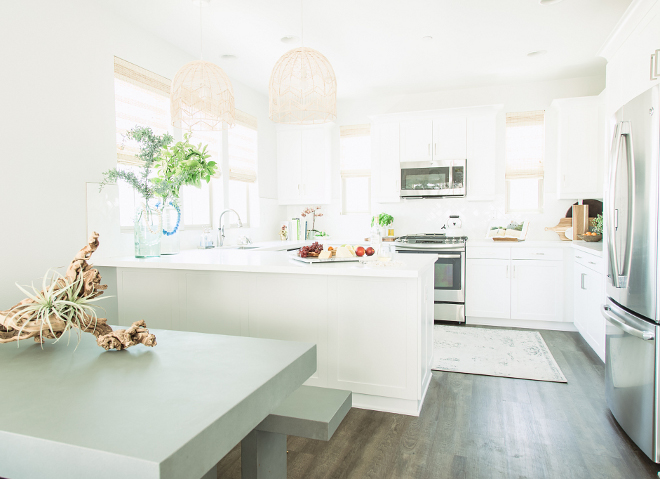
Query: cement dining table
[(168, 412)]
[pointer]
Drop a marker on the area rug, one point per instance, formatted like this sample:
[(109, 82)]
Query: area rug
[(494, 352)]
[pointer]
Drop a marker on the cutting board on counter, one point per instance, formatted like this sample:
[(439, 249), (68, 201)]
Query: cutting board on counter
[(561, 228)]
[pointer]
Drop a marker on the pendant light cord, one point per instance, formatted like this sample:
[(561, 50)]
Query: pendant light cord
[(302, 26), (201, 40)]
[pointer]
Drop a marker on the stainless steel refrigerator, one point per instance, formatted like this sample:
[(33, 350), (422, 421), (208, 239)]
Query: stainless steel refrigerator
[(632, 373)]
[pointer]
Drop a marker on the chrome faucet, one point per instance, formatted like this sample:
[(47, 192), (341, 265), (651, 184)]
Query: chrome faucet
[(221, 228)]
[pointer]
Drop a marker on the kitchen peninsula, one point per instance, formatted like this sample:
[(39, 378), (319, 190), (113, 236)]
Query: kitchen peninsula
[(372, 324)]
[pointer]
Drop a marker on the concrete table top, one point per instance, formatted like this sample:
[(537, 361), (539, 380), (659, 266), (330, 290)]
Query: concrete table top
[(168, 412)]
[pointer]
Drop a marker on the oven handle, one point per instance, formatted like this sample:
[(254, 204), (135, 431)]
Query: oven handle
[(450, 256)]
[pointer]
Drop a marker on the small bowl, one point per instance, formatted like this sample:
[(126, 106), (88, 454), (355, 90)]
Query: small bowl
[(591, 239)]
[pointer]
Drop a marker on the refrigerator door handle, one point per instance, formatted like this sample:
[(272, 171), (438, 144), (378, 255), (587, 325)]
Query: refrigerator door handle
[(638, 333), (620, 277)]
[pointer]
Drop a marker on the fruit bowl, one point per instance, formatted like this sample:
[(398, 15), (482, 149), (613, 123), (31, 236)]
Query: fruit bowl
[(591, 238)]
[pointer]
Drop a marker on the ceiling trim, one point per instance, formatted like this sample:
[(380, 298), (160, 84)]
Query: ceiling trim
[(630, 20)]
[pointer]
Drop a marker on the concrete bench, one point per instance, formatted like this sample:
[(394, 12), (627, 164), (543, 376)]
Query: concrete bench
[(310, 412)]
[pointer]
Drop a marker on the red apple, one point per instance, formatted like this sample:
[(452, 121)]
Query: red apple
[(359, 251), (370, 251)]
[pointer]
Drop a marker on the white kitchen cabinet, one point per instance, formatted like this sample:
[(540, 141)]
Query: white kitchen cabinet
[(481, 157), (537, 290), (416, 140), (580, 159), (303, 165), (488, 288), (385, 166), (449, 138), (588, 295), (443, 138)]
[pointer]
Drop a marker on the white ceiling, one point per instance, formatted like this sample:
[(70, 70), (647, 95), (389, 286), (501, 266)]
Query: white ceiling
[(376, 46)]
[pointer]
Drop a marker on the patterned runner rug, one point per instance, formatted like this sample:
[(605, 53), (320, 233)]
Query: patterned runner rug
[(494, 352)]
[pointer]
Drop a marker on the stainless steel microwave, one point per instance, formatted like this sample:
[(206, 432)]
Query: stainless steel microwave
[(432, 179)]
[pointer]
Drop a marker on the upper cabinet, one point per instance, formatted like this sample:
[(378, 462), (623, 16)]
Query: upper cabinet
[(481, 157), (441, 138), (449, 138), (303, 165), (580, 124), (465, 133), (385, 166)]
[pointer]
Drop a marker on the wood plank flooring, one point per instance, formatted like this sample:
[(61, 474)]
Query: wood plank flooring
[(476, 427)]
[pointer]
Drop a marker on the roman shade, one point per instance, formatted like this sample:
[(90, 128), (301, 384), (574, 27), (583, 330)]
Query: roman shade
[(525, 144), (141, 98), (355, 150), (242, 148)]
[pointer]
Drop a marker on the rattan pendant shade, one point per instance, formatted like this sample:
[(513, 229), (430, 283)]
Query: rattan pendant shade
[(202, 98), (303, 88)]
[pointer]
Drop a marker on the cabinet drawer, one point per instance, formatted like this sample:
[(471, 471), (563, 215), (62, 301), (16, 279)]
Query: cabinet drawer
[(590, 261), (488, 252), (542, 254)]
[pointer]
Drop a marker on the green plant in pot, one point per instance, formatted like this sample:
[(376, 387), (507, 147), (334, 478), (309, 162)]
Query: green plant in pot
[(181, 164), (147, 225), (175, 166), (383, 220)]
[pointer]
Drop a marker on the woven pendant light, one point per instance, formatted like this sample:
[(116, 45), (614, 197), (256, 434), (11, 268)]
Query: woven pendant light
[(303, 88), (202, 97)]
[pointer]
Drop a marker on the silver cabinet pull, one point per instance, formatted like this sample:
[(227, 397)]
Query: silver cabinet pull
[(582, 275), (514, 271), (429, 145), (580, 257), (435, 148), (539, 253), (507, 271), (591, 262), (612, 318)]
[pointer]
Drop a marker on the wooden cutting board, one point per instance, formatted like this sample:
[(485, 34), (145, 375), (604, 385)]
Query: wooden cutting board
[(561, 228)]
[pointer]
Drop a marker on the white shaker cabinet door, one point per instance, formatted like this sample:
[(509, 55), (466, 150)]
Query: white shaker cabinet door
[(449, 138), (537, 290), (315, 186), (385, 163), (481, 157), (416, 140), (589, 294), (289, 166), (488, 288)]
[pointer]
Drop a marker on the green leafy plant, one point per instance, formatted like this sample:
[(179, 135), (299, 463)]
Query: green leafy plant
[(183, 164), (56, 308), (151, 147), (597, 224), (383, 219)]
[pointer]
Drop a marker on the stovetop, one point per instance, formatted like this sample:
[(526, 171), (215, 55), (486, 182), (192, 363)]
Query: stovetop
[(430, 239)]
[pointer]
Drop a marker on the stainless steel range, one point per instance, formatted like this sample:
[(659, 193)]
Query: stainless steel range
[(449, 278)]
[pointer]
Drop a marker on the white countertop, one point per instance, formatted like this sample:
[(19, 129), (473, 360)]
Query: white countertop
[(593, 248), (402, 266)]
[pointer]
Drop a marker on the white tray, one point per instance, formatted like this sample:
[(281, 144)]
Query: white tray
[(334, 259)]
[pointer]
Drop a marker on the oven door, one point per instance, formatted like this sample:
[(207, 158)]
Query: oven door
[(449, 274)]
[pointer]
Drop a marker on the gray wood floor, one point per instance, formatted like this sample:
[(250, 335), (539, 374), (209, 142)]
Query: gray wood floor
[(482, 427)]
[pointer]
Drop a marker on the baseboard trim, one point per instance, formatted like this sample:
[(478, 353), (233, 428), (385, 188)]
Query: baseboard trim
[(522, 323)]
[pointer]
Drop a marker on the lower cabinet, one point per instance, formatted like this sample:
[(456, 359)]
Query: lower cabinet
[(588, 295), (505, 288), (537, 290), (487, 288)]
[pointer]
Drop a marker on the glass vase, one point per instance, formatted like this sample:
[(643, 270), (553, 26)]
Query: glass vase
[(148, 230), (170, 242)]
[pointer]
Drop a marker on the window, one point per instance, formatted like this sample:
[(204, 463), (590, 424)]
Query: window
[(141, 98), (242, 194), (355, 169), (525, 145)]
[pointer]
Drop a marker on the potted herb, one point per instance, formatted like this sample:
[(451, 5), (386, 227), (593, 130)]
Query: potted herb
[(383, 220)]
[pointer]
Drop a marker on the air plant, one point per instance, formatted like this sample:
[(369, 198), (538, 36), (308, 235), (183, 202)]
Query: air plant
[(57, 307)]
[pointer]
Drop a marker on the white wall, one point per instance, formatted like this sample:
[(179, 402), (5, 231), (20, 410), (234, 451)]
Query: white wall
[(58, 127), (423, 216)]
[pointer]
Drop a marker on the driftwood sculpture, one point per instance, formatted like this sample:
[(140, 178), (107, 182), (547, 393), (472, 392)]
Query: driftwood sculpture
[(22, 322)]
